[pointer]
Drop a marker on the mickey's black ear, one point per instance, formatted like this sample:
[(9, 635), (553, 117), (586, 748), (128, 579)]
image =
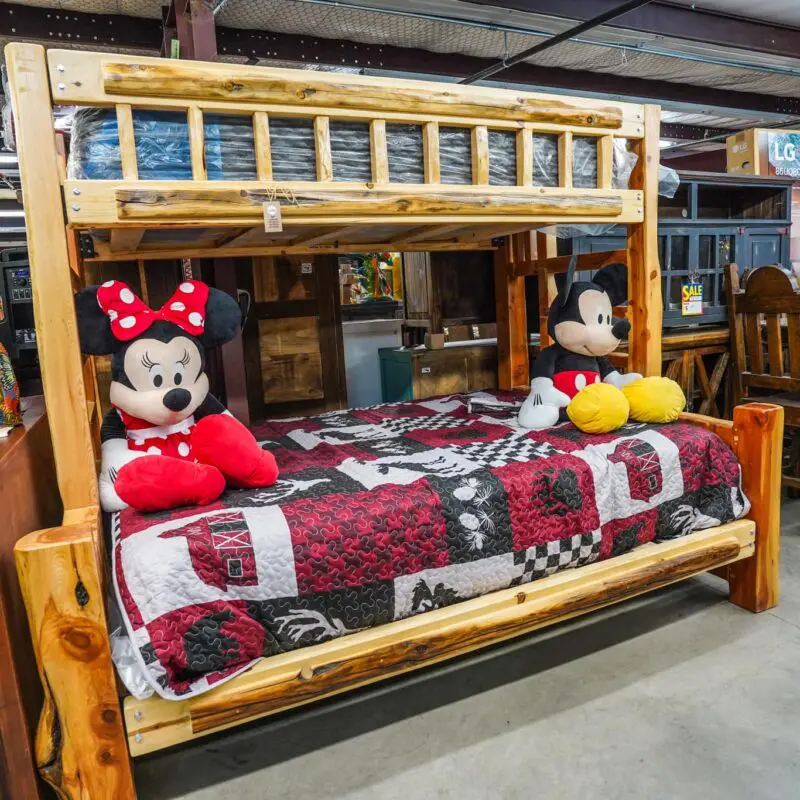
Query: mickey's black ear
[(94, 326), (564, 281), (614, 280), (223, 318)]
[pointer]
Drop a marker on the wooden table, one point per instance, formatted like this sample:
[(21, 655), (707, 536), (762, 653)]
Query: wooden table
[(29, 501)]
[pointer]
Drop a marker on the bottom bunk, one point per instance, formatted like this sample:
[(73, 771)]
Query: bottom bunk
[(384, 513)]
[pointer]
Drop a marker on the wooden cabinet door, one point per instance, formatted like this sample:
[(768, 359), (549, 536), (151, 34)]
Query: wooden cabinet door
[(294, 356), (445, 372)]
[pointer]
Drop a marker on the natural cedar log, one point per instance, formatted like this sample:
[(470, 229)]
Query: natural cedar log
[(758, 427), (198, 203), (511, 317), (187, 81), (644, 269), (430, 152), (80, 744)]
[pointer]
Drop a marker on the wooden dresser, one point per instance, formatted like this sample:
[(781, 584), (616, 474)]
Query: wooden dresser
[(29, 500)]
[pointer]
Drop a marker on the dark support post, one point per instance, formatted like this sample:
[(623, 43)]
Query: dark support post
[(192, 21)]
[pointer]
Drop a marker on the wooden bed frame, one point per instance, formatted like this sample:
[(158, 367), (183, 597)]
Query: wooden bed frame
[(87, 733)]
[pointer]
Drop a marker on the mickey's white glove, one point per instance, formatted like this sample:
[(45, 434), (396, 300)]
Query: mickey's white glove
[(619, 380), (541, 408), (115, 454)]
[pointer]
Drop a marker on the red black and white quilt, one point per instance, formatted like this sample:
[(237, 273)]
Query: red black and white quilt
[(390, 511)]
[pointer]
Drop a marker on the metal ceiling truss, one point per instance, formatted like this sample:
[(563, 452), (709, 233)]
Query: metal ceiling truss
[(136, 33), (679, 22)]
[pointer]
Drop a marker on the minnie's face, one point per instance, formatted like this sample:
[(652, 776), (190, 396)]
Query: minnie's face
[(167, 382)]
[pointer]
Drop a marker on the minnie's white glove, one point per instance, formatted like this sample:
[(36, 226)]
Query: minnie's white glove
[(619, 380), (114, 456), (541, 408)]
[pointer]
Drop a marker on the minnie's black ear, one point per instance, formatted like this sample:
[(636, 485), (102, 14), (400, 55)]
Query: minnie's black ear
[(614, 280), (94, 326), (223, 319), (564, 281)]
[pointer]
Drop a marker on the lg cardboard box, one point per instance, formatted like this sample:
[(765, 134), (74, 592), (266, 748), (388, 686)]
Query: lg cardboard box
[(764, 152)]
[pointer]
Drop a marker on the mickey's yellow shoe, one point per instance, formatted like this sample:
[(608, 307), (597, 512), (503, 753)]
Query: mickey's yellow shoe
[(655, 399), (599, 408)]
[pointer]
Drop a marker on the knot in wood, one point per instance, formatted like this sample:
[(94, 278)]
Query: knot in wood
[(521, 597), (109, 716), (104, 756), (234, 87), (81, 642), (590, 120), (421, 649), (81, 594)]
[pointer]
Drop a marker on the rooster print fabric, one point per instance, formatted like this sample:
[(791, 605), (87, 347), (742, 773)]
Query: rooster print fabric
[(390, 511)]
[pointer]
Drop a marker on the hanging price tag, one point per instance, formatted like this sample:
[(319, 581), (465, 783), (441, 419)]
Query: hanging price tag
[(272, 217), (692, 299)]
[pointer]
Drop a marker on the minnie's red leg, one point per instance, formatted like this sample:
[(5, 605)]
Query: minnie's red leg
[(156, 483), (223, 442)]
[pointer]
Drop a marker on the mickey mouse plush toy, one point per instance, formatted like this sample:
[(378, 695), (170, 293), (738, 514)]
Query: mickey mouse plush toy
[(167, 442), (573, 378)]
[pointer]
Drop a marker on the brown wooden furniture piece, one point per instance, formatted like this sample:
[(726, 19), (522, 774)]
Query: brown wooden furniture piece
[(765, 342), (86, 736), (29, 501)]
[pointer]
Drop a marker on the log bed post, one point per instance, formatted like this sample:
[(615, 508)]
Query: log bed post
[(644, 269), (512, 321), (80, 744)]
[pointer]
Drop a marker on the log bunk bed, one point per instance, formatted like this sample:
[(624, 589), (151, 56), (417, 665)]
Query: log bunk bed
[(89, 729)]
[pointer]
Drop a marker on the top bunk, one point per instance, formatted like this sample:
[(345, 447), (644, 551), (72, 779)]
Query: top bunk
[(351, 162)]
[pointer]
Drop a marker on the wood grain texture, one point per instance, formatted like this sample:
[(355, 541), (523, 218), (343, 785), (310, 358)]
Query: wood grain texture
[(480, 155), (431, 165), (512, 326), (758, 427), (322, 148), (524, 157), (56, 327), (127, 143), (80, 745), (197, 147), (262, 145), (379, 152), (644, 269), (291, 366), (605, 162), (565, 160), (190, 80), (312, 673)]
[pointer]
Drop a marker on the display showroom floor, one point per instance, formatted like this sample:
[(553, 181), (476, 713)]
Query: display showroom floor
[(675, 695)]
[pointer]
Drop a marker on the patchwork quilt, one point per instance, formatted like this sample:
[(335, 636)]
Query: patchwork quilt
[(390, 511)]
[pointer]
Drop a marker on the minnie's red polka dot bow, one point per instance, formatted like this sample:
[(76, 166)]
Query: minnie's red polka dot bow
[(130, 316)]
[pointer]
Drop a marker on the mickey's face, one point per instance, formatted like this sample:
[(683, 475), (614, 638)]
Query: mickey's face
[(594, 333), (166, 378)]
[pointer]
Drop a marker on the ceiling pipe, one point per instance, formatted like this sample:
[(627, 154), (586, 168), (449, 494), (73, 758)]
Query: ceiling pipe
[(564, 36)]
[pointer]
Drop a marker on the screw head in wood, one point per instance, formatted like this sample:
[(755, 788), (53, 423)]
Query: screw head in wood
[(138, 715), (76, 191), (76, 207), (60, 67), (138, 738)]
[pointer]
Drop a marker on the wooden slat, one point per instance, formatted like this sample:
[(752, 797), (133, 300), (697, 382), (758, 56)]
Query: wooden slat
[(430, 152), (322, 145), (565, 160), (127, 142), (424, 233), (263, 146), (512, 325), (125, 239), (480, 156), (524, 157), (197, 143), (322, 235), (311, 673), (752, 326), (605, 162), (379, 154), (56, 328), (546, 249), (586, 261), (774, 345), (644, 269)]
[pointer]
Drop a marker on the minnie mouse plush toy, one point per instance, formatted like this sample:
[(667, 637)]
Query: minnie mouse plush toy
[(167, 442)]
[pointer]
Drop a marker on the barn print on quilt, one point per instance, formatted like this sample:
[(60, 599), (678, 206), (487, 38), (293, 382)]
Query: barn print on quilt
[(386, 512)]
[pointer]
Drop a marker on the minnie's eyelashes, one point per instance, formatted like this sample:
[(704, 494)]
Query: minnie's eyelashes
[(146, 362), (186, 358)]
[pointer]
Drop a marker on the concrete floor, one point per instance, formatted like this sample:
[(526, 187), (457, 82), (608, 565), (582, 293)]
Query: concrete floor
[(675, 695)]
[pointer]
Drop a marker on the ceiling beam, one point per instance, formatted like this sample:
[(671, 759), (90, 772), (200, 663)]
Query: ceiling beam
[(678, 22), (690, 133), (74, 27)]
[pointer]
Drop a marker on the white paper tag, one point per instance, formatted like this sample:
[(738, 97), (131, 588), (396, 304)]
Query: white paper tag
[(272, 217), (306, 268)]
